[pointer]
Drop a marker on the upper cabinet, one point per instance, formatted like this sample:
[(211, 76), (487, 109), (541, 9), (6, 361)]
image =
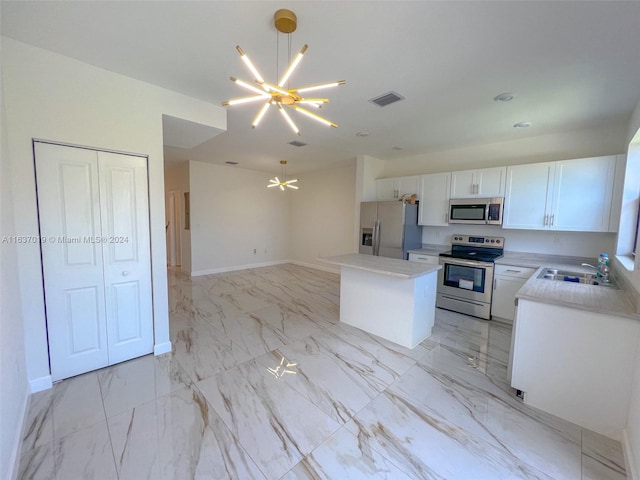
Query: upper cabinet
[(395, 188), (434, 199), (486, 182), (570, 195)]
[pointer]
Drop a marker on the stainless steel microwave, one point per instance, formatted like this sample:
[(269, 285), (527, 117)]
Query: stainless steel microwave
[(476, 211)]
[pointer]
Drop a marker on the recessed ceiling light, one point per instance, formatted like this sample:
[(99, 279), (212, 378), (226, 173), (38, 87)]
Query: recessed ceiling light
[(229, 162), (522, 124), (504, 97), (396, 148), (362, 134)]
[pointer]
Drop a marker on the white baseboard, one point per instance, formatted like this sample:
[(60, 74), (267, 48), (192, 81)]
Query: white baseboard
[(629, 457), (162, 348), (14, 460), (199, 273), (324, 268), (39, 384)]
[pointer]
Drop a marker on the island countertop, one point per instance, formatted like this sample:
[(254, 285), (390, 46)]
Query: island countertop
[(393, 267)]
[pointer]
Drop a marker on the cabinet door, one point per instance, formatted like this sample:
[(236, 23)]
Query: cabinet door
[(583, 192), (69, 214), (491, 182), (504, 295), (126, 255), (386, 189), (434, 199), (463, 184), (528, 188), (408, 186)]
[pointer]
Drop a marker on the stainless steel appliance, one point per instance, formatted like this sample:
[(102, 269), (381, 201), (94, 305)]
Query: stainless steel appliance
[(477, 211), (465, 282), (389, 229)]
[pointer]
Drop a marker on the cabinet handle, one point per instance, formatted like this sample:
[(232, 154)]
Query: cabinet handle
[(514, 271), (495, 283), (546, 220), (553, 217), (446, 218)]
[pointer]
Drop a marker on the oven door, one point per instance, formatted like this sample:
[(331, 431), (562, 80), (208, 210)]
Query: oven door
[(468, 279)]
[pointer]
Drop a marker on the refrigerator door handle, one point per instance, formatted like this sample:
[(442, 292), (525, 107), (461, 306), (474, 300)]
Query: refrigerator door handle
[(376, 238)]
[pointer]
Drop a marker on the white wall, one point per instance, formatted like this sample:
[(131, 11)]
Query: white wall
[(13, 369), (232, 213), (323, 215), (176, 178), (52, 97)]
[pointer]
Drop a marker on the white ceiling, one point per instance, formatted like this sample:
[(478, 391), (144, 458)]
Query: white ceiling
[(571, 65)]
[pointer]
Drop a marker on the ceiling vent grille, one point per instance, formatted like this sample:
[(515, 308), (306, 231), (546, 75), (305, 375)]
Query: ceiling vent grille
[(231, 162), (387, 99), (297, 143)]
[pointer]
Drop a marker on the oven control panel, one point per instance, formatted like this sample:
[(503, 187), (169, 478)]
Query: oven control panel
[(477, 241)]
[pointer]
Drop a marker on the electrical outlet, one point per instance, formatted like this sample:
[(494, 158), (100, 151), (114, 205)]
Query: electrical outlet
[(265, 251), (255, 251)]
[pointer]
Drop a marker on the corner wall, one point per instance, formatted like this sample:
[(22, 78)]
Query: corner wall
[(52, 97), (323, 215), (13, 370)]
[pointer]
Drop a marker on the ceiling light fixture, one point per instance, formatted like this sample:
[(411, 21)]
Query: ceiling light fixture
[(276, 182), (522, 125), (281, 95)]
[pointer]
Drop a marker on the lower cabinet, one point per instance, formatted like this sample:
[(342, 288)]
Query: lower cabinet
[(508, 279)]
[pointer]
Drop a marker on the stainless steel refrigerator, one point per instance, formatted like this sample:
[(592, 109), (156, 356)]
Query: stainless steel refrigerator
[(389, 229)]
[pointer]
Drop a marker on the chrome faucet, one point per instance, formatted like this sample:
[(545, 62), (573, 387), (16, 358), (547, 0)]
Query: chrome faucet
[(589, 265), (604, 275)]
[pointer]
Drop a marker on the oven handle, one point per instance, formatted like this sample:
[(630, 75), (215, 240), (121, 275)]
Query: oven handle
[(469, 263)]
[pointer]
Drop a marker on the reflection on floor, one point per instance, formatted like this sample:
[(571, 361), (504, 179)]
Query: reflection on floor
[(265, 383)]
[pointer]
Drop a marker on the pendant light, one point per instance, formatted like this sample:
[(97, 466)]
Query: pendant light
[(280, 95), (276, 182)]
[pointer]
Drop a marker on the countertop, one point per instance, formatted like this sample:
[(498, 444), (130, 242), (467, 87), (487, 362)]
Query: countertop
[(535, 260), (431, 249), (393, 267), (579, 296)]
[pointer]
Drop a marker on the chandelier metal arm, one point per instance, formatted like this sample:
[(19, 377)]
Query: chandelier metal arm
[(318, 118)]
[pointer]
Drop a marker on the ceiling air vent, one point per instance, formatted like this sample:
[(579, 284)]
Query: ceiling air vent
[(297, 143), (387, 99), (230, 162)]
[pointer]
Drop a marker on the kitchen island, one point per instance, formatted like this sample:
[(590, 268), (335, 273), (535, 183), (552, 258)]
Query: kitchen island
[(394, 299)]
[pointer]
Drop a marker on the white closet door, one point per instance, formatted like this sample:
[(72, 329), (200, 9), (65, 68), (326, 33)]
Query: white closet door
[(126, 255), (69, 212)]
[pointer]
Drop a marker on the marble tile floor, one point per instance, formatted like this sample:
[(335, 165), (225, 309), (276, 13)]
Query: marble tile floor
[(265, 383)]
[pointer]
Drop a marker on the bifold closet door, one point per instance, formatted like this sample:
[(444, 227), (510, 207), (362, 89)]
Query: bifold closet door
[(94, 225)]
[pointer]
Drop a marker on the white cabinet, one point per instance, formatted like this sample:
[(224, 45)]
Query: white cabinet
[(575, 364), (434, 199), (395, 188), (569, 195), (487, 182), (424, 258), (507, 281)]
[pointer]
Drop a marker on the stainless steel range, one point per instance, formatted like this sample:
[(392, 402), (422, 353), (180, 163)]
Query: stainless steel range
[(465, 282)]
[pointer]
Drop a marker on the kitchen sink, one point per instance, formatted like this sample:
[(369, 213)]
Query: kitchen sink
[(586, 278)]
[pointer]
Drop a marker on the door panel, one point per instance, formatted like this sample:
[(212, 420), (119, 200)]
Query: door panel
[(126, 255), (527, 195), (69, 215)]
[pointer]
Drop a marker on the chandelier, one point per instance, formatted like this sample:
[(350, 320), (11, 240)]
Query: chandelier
[(281, 96), (276, 182)]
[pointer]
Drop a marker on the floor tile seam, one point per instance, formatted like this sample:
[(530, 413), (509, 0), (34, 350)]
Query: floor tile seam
[(498, 445), (512, 405), (330, 414), (237, 439), (104, 411)]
